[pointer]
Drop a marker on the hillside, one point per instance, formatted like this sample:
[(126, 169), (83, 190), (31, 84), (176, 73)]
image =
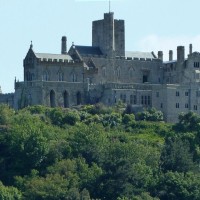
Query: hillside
[(97, 152)]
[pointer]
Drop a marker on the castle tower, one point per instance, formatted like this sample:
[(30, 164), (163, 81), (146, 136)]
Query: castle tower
[(64, 45), (109, 35), (180, 54)]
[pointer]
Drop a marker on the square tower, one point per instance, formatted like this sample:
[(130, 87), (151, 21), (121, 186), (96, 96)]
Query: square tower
[(109, 35)]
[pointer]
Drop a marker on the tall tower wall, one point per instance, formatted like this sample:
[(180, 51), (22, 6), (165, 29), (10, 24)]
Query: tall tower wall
[(109, 35)]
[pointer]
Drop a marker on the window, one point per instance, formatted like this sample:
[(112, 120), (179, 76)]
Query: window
[(186, 105), (123, 98), (195, 107), (145, 78), (60, 76), (197, 93), (133, 99), (177, 93), (177, 105), (131, 73), (142, 100), (149, 100), (161, 105), (104, 72), (45, 76), (118, 73), (74, 77), (157, 94), (187, 93), (196, 64)]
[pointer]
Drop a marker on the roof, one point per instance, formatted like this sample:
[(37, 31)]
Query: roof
[(88, 50), (170, 62), (138, 54), (53, 56)]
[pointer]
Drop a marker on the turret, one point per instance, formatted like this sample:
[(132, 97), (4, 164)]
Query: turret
[(160, 55), (190, 49), (180, 54), (64, 45), (170, 55)]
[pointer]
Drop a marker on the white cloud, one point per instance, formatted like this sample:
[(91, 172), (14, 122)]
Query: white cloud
[(161, 43)]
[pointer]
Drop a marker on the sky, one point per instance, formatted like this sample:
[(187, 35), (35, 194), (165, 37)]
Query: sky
[(150, 25)]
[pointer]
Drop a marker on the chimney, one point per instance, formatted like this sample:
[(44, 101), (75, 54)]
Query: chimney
[(64, 45), (160, 55), (180, 54), (190, 49), (170, 55)]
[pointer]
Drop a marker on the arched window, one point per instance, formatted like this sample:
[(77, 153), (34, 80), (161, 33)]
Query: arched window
[(118, 73), (52, 98), (131, 73), (104, 72), (45, 76), (78, 96), (74, 77), (66, 99), (29, 76), (60, 76)]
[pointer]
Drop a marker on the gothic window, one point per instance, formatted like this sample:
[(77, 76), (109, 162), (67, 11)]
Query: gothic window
[(131, 72), (118, 73), (78, 96), (52, 99), (133, 99), (104, 72), (60, 76), (45, 76), (73, 77), (66, 99)]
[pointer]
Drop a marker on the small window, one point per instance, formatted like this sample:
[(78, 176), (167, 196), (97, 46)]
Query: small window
[(186, 93), (177, 93), (157, 94), (196, 64), (145, 78), (195, 107), (161, 105), (186, 105), (177, 105), (149, 100), (133, 99)]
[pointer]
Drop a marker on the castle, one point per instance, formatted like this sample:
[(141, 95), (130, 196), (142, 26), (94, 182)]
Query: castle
[(105, 72)]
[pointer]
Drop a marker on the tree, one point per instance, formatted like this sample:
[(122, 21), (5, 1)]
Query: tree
[(176, 156), (9, 193)]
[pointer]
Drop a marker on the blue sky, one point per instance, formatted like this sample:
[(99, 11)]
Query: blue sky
[(151, 25)]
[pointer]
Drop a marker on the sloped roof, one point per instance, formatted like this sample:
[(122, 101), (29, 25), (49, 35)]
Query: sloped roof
[(88, 50), (53, 56), (138, 54)]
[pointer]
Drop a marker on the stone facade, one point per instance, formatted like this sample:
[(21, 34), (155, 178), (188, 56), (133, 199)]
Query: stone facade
[(105, 72)]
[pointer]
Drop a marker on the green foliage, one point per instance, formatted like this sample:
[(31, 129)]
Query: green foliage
[(188, 122), (9, 193), (179, 186), (150, 114), (6, 114), (71, 118), (97, 152), (176, 156), (128, 119)]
